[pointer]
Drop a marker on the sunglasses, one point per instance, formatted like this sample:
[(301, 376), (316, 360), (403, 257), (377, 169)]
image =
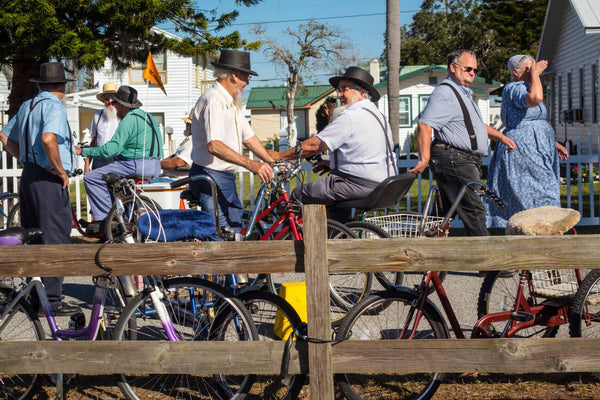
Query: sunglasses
[(468, 69), (344, 89)]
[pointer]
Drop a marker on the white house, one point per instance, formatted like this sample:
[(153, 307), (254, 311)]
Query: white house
[(417, 82), (185, 79), (571, 43)]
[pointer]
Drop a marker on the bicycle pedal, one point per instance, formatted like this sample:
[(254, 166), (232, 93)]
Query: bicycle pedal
[(521, 316)]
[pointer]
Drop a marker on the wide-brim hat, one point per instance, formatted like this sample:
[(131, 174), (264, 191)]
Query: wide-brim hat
[(359, 76), (127, 96), (234, 59), (52, 72), (107, 88)]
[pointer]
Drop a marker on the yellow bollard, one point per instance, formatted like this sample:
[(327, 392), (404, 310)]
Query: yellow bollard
[(295, 294)]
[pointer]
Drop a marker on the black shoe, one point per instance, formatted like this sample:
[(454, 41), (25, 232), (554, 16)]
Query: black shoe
[(63, 309)]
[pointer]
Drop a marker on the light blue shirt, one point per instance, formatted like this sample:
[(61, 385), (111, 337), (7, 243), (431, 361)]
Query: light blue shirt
[(363, 145), (48, 115), (444, 115)]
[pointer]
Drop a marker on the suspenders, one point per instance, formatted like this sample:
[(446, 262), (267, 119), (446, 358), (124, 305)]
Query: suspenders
[(467, 117), (154, 136)]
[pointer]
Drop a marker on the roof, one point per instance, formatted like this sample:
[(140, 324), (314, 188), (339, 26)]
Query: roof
[(410, 71), (588, 13), (269, 97)]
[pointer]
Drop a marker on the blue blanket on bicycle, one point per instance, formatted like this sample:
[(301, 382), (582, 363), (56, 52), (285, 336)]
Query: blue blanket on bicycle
[(174, 225)]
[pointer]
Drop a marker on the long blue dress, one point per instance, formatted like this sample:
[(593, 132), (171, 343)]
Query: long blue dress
[(528, 177)]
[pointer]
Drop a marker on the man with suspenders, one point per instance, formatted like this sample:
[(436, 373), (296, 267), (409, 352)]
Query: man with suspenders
[(136, 146), (460, 140), (40, 137)]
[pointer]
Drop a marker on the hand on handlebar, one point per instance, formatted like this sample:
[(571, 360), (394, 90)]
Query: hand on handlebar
[(263, 170)]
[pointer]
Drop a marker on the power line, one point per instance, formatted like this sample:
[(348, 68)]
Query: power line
[(317, 19)]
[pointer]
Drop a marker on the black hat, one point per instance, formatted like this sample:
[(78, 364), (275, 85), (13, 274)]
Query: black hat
[(127, 96), (360, 76), (234, 59), (52, 72)]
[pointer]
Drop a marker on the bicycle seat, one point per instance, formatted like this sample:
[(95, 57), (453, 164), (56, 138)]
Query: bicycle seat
[(546, 220), (174, 225), (21, 235), (385, 195)]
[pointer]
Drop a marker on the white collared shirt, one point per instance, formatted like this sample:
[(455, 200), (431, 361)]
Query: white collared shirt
[(215, 117)]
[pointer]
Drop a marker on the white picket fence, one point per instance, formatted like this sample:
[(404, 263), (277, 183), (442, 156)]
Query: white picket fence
[(588, 207)]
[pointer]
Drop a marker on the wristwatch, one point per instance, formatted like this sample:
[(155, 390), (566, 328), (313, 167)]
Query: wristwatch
[(298, 148)]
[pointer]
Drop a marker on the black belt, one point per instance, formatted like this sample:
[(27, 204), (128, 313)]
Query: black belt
[(439, 143)]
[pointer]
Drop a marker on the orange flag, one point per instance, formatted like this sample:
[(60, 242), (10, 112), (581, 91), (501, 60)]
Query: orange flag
[(151, 73)]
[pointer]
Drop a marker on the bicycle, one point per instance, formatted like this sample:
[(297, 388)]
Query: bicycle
[(272, 201), (181, 309), (9, 212), (263, 306), (404, 313)]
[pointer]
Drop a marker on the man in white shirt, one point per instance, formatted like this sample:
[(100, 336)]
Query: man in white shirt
[(360, 145), (218, 131), (104, 125)]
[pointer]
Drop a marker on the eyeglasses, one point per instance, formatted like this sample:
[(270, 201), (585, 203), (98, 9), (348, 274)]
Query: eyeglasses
[(344, 89), (468, 69), (243, 76)]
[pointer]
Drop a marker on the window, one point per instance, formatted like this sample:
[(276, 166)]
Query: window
[(569, 92), (203, 75), (560, 97), (581, 89), (423, 99), (594, 93), (136, 70), (405, 111), (433, 80)]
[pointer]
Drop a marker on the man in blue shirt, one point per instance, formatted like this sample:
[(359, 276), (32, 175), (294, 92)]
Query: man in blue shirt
[(40, 137), (460, 140)]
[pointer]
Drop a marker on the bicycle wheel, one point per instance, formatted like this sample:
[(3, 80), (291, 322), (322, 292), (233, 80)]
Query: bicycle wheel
[(20, 324), (585, 310), (134, 207), (14, 211), (369, 320), (499, 293), (269, 313), (367, 230), (345, 289), (199, 310)]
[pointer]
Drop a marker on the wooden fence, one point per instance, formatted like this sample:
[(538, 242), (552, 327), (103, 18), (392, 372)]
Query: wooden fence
[(316, 256)]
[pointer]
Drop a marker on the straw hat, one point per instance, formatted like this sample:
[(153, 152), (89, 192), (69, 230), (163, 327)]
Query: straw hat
[(188, 119), (107, 88)]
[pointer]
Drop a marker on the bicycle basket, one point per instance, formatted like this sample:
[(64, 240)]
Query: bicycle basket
[(404, 224), (554, 283)]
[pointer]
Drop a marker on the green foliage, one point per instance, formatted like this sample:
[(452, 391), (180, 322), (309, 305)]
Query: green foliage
[(88, 32), (494, 30)]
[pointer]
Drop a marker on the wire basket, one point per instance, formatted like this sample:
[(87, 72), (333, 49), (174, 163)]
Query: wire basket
[(404, 225), (554, 283)]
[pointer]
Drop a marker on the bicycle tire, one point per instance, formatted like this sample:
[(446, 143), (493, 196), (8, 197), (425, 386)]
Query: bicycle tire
[(21, 324), (368, 230), (14, 212), (368, 320), (586, 307), (199, 310), (345, 289), (498, 293), (141, 205), (264, 307)]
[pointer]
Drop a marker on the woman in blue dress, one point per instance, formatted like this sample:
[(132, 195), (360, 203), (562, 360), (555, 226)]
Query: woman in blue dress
[(527, 177)]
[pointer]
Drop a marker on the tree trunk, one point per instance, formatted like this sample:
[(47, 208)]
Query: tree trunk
[(22, 89), (291, 120), (393, 65)]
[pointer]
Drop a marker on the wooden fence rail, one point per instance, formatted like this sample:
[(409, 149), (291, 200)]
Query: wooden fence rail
[(316, 256)]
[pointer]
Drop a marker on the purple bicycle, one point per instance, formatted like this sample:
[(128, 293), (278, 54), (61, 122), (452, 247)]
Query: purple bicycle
[(178, 309)]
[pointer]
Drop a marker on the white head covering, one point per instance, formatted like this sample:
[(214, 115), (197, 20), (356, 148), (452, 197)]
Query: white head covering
[(514, 61)]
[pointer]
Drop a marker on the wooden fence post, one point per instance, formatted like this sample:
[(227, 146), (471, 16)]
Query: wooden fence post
[(317, 293)]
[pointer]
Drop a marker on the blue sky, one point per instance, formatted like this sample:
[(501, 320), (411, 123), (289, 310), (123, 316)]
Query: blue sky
[(362, 21)]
